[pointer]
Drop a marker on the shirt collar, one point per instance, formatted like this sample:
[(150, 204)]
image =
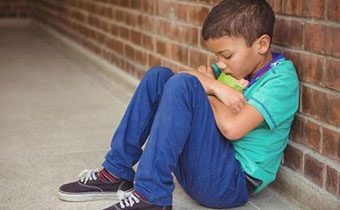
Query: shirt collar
[(263, 70)]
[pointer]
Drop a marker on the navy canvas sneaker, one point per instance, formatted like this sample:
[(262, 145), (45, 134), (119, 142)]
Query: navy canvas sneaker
[(94, 185)]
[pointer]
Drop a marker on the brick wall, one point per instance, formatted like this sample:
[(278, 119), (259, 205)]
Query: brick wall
[(136, 34), (15, 8)]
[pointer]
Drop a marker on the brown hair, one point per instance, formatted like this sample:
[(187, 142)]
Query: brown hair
[(249, 19)]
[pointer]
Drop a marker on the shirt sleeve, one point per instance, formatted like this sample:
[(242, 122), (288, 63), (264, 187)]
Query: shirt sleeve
[(277, 99)]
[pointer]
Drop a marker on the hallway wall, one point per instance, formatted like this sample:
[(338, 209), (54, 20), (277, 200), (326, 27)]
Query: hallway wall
[(15, 9)]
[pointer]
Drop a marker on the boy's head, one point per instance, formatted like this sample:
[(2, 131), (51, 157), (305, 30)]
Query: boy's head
[(240, 31), (247, 19)]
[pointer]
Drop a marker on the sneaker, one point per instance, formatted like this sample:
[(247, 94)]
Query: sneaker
[(94, 185), (134, 201)]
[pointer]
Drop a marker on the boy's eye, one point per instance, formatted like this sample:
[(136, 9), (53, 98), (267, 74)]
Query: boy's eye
[(226, 57)]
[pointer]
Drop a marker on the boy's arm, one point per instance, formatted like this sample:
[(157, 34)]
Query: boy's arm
[(235, 125), (230, 97), (233, 116)]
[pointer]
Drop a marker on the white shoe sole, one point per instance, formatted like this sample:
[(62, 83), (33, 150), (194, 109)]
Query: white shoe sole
[(88, 196)]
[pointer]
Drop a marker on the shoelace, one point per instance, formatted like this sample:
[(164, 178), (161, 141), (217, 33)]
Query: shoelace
[(127, 199), (88, 175)]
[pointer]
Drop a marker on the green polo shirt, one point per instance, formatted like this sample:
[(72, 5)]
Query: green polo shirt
[(276, 96)]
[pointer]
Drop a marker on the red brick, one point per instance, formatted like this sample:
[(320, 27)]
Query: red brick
[(288, 33), (105, 25), (155, 25), (115, 45), (312, 135), (175, 31), (148, 42), (173, 12), (163, 48), (174, 67), (314, 8), (332, 180), (332, 75), (77, 15), (130, 68), (141, 57), (131, 19), (182, 13), (99, 37), (298, 130), (124, 33), (154, 60), (93, 20), (315, 37), (320, 38), (293, 158), (179, 53), (320, 105), (144, 23), (332, 42), (148, 6), (119, 16), (331, 144), (162, 8), (333, 10), (197, 14), (140, 21), (114, 29), (136, 4), (293, 7), (313, 170), (129, 52), (124, 3), (136, 37), (106, 12), (191, 36), (310, 68), (276, 5), (197, 58)]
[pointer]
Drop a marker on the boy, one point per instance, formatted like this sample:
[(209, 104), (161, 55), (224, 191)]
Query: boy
[(222, 145)]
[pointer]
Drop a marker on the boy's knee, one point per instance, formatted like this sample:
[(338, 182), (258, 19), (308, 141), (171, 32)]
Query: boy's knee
[(182, 81), (159, 71)]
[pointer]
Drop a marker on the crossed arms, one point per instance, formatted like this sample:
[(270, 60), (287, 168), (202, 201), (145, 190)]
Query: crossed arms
[(233, 116)]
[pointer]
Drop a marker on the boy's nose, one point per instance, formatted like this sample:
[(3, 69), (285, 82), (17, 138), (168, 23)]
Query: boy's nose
[(223, 67)]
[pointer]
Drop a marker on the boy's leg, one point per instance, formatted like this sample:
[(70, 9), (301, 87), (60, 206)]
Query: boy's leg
[(184, 139), (135, 126), (128, 139)]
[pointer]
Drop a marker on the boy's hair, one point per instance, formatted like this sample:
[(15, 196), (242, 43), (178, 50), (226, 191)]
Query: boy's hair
[(249, 19)]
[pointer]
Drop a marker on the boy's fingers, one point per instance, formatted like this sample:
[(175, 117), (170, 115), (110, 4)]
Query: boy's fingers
[(221, 65)]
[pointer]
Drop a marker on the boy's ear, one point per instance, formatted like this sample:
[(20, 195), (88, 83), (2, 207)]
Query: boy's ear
[(263, 44)]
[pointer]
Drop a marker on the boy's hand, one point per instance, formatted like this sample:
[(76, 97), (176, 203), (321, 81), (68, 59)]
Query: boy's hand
[(234, 99), (206, 70), (206, 82)]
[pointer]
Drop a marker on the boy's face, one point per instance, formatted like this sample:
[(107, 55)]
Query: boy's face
[(240, 60)]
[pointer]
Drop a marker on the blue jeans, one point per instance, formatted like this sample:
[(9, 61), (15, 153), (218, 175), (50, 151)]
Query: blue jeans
[(175, 113)]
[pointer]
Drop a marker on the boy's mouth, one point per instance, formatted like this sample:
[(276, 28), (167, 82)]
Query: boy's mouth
[(228, 71)]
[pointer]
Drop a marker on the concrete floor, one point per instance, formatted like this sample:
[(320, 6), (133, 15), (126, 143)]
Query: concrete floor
[(58, 111)]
